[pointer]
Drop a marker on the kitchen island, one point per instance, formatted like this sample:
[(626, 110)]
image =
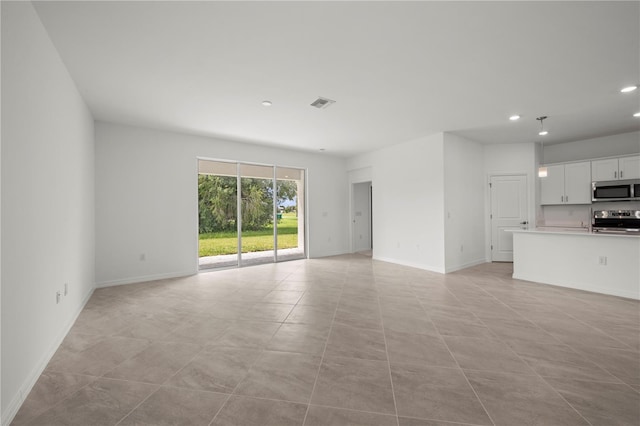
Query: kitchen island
[(602, 263)]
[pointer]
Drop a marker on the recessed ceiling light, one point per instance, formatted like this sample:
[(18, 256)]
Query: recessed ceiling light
[(543, 133), (514, 117), (629, 89), (637, 114), (266, 103)]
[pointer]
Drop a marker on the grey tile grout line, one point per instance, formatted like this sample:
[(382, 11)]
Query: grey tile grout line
[(561, 343), (159, 385), (219, 409), (536, 325), (538, 299), (386, 350), (501, 339), (565, 400), (511, 309), (324, 350), (202, 349), (469, 281), (628, 347), (138, 405), (38, 414), (96, 377), (261, 351), (443, 421), (460, 368), (519, 357)]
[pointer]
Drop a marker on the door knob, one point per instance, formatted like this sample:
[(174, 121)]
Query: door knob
[(524, 223)]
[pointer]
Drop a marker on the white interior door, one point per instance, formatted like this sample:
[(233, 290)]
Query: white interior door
[(361, 216), (508, 211)]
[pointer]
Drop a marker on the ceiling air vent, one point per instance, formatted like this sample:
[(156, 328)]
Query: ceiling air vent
[(321, 103)]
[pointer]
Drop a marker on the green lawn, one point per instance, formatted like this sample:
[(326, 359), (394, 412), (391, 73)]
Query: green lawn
[(216, 243)]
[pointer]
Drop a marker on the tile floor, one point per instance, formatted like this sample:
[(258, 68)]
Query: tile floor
[(344, 341)]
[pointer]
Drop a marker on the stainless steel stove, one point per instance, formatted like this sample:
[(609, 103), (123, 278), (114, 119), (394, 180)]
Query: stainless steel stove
[(616, 222)]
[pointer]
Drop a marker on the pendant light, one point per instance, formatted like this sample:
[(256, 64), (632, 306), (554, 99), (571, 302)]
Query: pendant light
[(542, 131), (542, 171)]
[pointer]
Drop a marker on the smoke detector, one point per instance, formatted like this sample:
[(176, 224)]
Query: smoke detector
[(322, 103)]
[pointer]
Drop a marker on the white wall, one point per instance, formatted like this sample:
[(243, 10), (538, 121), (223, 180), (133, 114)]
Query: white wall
[(507, 159), (47, 201), (408, 202), (464, 203), (146, 186), (608, 146), (1, 417)]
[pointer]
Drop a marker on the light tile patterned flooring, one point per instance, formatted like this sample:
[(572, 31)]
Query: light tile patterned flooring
[(345, 341)]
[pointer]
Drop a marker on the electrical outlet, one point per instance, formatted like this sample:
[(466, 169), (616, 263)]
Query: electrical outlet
[(602, 260), (57, 297), (66, 288)]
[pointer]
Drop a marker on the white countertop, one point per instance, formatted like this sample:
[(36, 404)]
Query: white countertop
[(570, 231)]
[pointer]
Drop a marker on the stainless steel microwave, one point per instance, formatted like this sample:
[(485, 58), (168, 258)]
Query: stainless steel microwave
[(616, 190)]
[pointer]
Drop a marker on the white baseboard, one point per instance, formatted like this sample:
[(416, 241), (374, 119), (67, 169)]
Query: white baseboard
[(591, 288), (465, 265), (16, 402), (144, 278), (410, 264), (327, 254)]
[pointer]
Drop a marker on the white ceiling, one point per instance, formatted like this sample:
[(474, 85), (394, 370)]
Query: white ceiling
[(397, 70)]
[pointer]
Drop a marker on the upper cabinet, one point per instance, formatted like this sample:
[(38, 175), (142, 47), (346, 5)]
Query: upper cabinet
[(552, 185), (566, 184), (616, 168), (604, 169), (577, 183), (629, 167)]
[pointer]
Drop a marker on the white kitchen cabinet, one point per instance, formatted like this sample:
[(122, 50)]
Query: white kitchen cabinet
[(604, 169), (629, 167), (552, 185), (616, 168), (577, 183), (566, 184)]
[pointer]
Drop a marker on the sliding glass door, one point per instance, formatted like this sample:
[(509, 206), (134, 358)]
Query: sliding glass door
[(249, 214), (217, 214), (290, 213), (258, 230)]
